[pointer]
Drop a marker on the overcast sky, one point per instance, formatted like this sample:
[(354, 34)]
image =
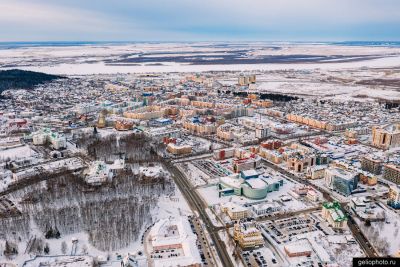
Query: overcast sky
[(199, 20)]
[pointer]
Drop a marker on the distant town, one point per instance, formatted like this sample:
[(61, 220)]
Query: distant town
[(198, 169)]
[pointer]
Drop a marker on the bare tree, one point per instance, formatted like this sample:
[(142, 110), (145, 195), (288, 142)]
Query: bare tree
[(64, 247)]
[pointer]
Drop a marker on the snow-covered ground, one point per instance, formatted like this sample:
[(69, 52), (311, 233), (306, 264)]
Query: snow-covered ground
[(328, 90), (101, 68), (383, 235), (17, 153), (168, 206), (89, 59)]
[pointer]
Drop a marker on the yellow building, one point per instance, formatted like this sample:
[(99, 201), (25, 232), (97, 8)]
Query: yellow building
[(179, 149), (146, 113), (202, 104), (248, 235), (200, 128), (235, 211), (386, 137)]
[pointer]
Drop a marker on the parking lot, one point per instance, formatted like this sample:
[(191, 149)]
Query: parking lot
[(210, 168), (202, 245), (261, 257), (283, 230)]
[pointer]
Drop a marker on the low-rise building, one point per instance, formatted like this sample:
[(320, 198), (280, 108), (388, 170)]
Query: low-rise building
[(171, 242), (265, 208), (248, 235), (177, 149), (57, 140), (316, 172), (333, 214), (235, 211)]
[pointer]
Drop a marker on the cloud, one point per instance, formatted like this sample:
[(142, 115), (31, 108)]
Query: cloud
[(199, 19)]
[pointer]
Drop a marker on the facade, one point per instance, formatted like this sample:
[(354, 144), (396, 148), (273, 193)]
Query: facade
[(271, 144), (261, 132), (246, 164), (265, 208), (299, 162), (246, 79), (321, 124), (200, 128), (341, 181), (263, 103), (316, 172), (123, 125), (224, 132), (332, 213), (179, 149), (313, 195), (372, 165), (386, 137), (391, 173), (57, 140), (146, 113), (223, 154), (271, 155), (235, 211), (248, 235), (394, 197)]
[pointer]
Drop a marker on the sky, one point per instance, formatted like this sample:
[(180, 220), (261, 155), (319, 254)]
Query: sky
[(199, 20)]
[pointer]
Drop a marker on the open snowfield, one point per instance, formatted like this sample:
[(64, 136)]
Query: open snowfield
[(186, 57), (327, 90)]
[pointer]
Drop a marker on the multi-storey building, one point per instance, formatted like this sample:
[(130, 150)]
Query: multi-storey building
[(57, 140), (387, 136), (235, 211), (333, 214), (248, 235), (394, 196), (341, 181), (391, 172), (371, 164)]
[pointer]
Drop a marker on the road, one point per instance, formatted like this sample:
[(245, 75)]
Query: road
[(197, 204), (358, 235)]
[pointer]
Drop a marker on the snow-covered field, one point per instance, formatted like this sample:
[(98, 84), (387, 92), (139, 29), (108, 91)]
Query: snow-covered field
[(102, 68), (328, 90), (17, 153), (95, 59), (383, 235)]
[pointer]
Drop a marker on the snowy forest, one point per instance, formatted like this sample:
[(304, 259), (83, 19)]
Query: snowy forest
[(112, 214)]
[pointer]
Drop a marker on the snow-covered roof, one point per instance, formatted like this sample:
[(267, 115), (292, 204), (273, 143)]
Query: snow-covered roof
[(256, 183), (175, 231)]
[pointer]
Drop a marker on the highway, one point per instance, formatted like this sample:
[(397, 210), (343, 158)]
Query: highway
[(196, 203), (358, 235)]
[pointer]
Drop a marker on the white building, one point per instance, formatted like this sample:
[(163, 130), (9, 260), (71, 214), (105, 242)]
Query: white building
[(265, 208), (261, 132), (98, 173), (57, 140), (171, 242)]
